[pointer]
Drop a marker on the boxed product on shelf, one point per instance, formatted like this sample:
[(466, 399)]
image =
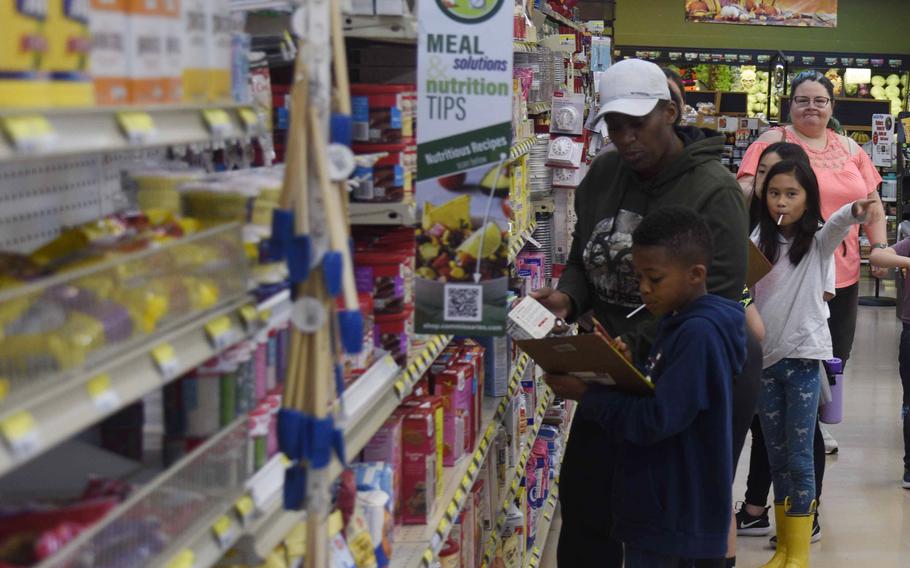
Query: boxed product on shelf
[(173, 38), (374, 507), (511, 551), (145, 52), (393, 333), (419, 460), (473, 354), (497, 361), (383, 114), (355, 365), (454, 385), (386, 446), (383, 275), (219, 54), (537, 486), (108, 61), (384, 172), (67, 56), (21, 82)]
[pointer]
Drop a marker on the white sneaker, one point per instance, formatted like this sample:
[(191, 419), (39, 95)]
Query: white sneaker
[(830, 442)]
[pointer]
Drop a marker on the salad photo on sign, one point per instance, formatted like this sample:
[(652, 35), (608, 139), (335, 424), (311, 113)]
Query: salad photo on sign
[(463, 252), (799, 13)]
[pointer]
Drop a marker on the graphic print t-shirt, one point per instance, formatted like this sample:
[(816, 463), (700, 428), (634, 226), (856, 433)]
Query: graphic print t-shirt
[(608, 259)]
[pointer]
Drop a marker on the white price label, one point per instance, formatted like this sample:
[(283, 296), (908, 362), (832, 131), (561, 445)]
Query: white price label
[(21, 433), (166, 360)]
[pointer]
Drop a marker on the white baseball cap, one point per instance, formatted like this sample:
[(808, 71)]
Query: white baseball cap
[(632, 87)]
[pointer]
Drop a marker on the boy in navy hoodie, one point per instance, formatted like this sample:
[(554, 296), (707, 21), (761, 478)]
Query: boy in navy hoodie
[(672, 487)]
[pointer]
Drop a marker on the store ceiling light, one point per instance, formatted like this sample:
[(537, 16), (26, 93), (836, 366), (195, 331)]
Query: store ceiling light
[(855, 76)]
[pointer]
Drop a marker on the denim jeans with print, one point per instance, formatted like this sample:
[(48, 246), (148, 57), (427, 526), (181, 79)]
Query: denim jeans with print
[(787, 408)]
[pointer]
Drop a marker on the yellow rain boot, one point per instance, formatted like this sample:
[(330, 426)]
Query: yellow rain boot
[(799, 532), (779, 559)]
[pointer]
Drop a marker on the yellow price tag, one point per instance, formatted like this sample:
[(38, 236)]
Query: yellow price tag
[(21, 433), (250, 118), (30, 133), (244, 507), (459, 495), (249, 315), (4, 389), (220, 332), (452, 510), (224, 531), (183, 559), (472, 469), (166, 360), (265, 316), (443, 525), (218, 121), (138, 126), (102, 393)]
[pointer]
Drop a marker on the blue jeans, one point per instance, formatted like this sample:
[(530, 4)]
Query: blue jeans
[(638, 558), (788, 409)]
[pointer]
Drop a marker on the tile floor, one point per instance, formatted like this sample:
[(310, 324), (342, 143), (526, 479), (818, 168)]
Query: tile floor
[(866, 515)]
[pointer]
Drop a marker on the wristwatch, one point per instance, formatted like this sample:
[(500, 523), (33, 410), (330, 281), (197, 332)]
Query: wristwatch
[(880, 246)]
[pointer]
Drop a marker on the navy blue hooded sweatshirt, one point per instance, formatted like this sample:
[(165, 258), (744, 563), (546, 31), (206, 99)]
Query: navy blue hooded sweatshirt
[(672, 488)]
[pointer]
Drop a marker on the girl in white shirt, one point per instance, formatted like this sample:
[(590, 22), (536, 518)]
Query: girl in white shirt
[(790, 301)]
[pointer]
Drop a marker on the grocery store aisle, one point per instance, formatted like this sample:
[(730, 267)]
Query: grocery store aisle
[(866, 514)]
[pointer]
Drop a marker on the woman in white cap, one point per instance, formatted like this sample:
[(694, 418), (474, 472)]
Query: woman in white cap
[(656, 164)]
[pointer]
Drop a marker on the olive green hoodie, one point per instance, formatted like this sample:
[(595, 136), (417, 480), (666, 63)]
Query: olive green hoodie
[(610, 203)]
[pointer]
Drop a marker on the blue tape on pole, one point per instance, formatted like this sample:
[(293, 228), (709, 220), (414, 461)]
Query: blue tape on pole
[(339, 380), (319, 452), (332, 270), (351, 323), (299, 255), (342, 129), (294, 488), (282, 232), (289, 431), (338, 444)]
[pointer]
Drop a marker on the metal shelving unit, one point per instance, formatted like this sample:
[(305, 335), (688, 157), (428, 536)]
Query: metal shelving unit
[(61, 132), (560, 19)]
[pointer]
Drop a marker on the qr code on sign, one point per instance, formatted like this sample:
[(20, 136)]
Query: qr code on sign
[(463, 302)]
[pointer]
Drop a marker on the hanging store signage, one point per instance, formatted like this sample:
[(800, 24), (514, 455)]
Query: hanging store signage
[(882, 139), (464, 134), (802, 13)]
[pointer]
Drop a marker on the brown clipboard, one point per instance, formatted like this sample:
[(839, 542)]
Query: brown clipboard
[(589, 357), (759, 266)]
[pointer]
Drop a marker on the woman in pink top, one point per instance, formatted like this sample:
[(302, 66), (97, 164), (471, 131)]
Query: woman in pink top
[(845, 174)]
